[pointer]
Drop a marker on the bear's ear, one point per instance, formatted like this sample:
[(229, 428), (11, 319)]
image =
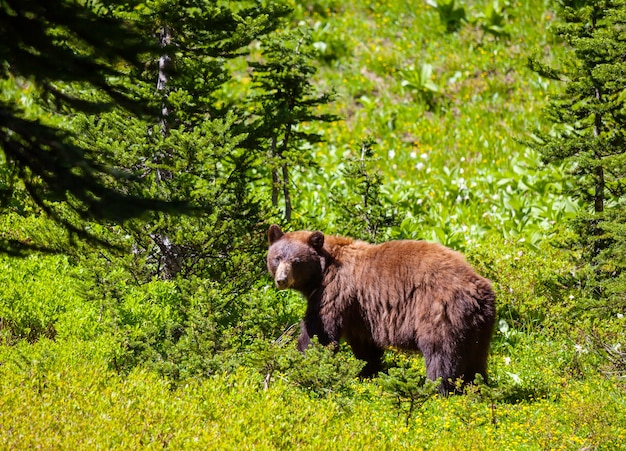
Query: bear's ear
[(274, 233), (316, 240)]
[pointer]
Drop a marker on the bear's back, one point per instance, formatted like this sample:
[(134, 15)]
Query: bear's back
[(404, 259), (407, 285)]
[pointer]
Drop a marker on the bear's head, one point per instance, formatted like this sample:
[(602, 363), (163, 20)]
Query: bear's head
[(295, 259)]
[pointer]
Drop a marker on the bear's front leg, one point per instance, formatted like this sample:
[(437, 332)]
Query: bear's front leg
[(312, 326), (371, 354), (304, 340)]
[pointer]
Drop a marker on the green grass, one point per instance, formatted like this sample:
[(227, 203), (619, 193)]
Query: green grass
[(60, 397)]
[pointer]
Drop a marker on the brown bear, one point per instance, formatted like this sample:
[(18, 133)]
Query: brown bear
[(412, 295)]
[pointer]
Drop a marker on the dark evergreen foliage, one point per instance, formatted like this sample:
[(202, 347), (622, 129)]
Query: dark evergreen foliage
[(74, 59)]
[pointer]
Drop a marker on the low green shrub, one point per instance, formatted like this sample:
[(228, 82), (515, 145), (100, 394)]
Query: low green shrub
[(194, 328), (534, 286)]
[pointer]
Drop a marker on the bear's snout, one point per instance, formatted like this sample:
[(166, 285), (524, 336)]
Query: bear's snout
[(284, 277)]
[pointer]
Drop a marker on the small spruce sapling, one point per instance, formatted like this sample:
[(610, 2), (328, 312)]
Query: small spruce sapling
[(367, 213), (409, 388)]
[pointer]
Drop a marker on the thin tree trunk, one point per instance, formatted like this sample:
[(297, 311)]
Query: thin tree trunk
[(275, 178), (165, 61), (598, 200), (171, 260), (285, 173), (599, 191), (281, 179), (286, 193)]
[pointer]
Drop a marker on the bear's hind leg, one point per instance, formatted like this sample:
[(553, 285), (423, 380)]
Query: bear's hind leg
[(477, 360), (442, 364), (371, 354)]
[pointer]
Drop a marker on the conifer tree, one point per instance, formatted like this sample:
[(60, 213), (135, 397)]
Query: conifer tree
[(203, 147), (199, 147), (288, 101), (589, 133)]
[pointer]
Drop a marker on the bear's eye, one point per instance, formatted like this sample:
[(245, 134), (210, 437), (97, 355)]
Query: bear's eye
[(296, 260)]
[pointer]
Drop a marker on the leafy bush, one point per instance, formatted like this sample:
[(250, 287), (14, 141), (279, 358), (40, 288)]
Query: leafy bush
[(451, 16), (494, 19), (544, 298), (328, 42), (319, 372), (40, 298), (418, 80)]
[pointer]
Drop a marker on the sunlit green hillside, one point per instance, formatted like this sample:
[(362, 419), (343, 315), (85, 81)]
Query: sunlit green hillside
[(448, 113)]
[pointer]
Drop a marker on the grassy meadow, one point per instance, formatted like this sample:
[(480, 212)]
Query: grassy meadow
[(448, 104)]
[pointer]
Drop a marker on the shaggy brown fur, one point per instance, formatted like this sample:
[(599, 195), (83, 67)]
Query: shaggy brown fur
[(412, 295)]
